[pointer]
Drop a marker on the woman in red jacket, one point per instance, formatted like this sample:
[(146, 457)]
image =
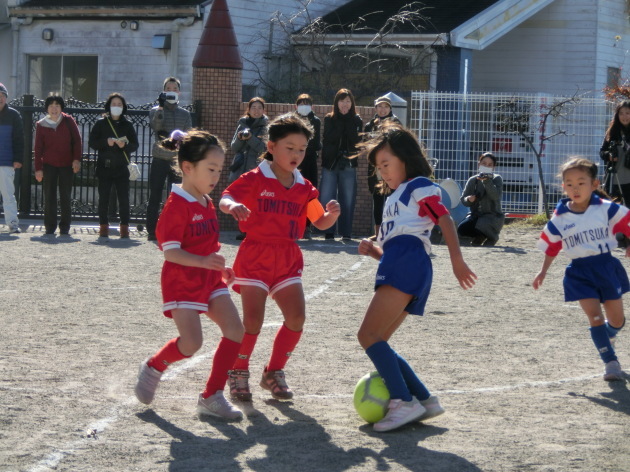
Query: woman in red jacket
[(57, 158)]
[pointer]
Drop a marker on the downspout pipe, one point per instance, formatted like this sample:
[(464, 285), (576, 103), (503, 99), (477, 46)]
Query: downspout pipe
[(15, 26), (175, 28)]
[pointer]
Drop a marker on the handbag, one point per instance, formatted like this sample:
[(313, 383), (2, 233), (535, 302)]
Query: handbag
[(134, 170)]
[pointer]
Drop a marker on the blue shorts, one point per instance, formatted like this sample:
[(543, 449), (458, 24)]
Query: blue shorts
[(602, 277), (406, 266)]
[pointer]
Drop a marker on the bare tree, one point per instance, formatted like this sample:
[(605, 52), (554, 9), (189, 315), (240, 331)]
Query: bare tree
[(516, 118), (307, 54)]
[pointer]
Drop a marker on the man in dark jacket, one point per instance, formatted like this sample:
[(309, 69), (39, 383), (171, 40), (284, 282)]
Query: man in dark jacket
[(11, 156), (164, 119)]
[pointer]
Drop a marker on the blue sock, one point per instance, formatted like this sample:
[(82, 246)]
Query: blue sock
[(602, 343), (385, 360), (414, 384), (612, 331)]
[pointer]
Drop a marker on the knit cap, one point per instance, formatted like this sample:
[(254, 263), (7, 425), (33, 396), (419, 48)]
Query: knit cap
[(383, 100), (4, 90)]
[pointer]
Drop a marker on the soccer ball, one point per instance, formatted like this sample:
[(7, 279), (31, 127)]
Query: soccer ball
[(371, 397)]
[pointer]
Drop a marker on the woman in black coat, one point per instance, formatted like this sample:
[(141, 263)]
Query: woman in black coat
[(115, 139), (342, 128)]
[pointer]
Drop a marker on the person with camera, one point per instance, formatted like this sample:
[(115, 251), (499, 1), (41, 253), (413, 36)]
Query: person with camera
[(166, 117), (482, 195), (115, 139), (249, 140), (342, 128), (615, 152)]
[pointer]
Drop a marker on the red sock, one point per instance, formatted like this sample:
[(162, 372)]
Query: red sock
[(224, 358), (283, 347), (166, 356), (247, 347)]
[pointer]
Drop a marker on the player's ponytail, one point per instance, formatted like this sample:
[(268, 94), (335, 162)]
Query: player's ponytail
[(284, 125)]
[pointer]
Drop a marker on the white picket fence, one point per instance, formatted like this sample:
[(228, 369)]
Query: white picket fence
[(456, 128)]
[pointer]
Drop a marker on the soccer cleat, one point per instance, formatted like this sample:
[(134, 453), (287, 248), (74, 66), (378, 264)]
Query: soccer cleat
[(239, 385), (613, 371), (432, 407), (217, 405), (148, 381), (400, 413), (273, 380)]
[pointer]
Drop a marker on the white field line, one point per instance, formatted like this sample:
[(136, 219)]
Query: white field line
[(54, 458)]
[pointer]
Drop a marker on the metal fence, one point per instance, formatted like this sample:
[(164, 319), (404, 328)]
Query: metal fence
[(456, 128), (85, 189)]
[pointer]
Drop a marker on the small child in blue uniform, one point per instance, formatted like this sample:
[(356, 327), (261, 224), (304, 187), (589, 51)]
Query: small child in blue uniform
[(584, 225), (404, 276)]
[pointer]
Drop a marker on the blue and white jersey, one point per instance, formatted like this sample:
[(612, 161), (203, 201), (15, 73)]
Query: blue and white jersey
[(584, 234), (413, 209)]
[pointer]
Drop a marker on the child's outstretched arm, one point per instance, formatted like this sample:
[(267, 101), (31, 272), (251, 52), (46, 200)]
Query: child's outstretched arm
[(323, 219), (239, 211), (540, 277), (464, 275)]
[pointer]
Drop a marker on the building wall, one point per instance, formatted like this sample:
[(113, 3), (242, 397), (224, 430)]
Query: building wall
[(563, 48)]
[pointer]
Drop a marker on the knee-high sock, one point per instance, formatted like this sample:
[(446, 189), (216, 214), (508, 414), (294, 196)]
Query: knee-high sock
[(245, 352), (223, 359), (385, 360), (612, 331), (166, 356), (602, 343), (283, 347), (414, 384)]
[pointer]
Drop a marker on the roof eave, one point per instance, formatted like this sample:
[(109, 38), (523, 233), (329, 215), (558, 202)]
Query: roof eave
[(494, 22), (366, 39), (109, 12)]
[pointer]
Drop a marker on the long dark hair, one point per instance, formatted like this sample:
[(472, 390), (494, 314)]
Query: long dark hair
[(284, 125), (340, 95), (404, 145), (615, 127)]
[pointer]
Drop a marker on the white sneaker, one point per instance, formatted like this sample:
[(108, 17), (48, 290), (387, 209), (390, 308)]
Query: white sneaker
[(400, 413), (217, 405), (613, 371), (433, 407), (148, 381), (14, 229)]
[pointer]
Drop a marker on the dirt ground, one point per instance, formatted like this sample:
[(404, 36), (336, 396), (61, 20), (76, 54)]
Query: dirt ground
[(515, 369)]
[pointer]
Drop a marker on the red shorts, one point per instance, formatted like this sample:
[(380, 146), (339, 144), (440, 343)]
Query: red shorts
[(270, 265), (190, 287)]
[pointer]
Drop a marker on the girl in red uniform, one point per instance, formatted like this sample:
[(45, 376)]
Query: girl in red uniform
[(271, 204), (194, 275)]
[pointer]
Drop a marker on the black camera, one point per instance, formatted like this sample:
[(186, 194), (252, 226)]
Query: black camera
[(246, 133), (164, 96)]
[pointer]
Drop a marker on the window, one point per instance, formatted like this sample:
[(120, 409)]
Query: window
[(72, 76)]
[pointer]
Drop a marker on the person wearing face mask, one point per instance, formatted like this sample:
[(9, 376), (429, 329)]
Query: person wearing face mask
[(115, 139), (482, 195), (384, 113), (342, 128), (164, 118), (58, 152)]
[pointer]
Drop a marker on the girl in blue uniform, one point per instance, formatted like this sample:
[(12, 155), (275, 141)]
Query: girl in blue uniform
[(404, 275), (584, 224)]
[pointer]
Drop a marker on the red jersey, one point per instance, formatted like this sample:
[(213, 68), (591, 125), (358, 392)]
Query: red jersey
[(187, 224), (277, 213)]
